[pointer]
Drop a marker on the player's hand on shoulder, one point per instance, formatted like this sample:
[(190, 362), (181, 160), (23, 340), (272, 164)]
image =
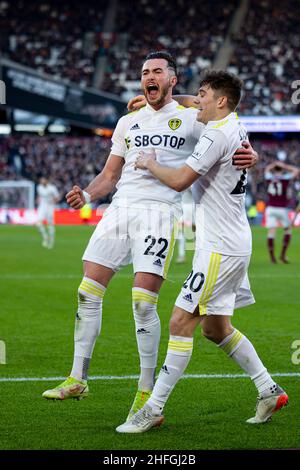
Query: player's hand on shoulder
[(143, 159), (245, 157), (136, 103), (75, 198)]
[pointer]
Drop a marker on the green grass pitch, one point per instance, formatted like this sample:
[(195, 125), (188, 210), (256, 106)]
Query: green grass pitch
[(38, 304)]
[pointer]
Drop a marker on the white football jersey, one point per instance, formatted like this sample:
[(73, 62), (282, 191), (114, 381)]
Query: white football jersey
[(47, 194), (221, 221), (173, 132)]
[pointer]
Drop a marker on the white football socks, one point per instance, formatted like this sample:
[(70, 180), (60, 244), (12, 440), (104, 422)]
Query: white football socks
[(51, 235), (147, 324), (242, 351), (42, 229), (178, 356), (87, 326)]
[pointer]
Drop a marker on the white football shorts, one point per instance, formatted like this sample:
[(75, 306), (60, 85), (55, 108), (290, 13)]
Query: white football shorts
[(217, 284), (276, 216), (143, 237), (45, 213)]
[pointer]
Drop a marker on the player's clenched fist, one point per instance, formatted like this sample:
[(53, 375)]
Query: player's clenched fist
[(75, 198)]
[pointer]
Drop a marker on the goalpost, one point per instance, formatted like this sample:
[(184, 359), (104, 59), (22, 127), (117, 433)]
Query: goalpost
[(17, 194)]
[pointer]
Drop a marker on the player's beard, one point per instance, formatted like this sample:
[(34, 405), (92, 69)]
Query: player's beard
[(163, 93)]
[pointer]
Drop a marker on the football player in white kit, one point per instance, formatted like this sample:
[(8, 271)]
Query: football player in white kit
[(223, 250), (138, 227), (47, 197)]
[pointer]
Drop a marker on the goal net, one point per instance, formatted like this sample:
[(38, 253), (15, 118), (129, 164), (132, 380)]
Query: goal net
[(17, 194)]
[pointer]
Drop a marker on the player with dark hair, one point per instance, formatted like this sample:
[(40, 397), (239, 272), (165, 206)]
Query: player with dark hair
[(223, 250), (278, 176), (139, 226)]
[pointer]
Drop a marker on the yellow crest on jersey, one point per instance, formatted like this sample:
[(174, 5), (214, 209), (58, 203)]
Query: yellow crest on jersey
[(174, 123), (127, 142)]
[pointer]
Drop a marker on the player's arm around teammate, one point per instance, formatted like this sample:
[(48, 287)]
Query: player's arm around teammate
[(210, 293), (245, 157), (119, 237)]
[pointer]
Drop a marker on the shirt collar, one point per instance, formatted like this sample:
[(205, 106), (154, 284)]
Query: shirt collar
[(231, 116), (165, 109)]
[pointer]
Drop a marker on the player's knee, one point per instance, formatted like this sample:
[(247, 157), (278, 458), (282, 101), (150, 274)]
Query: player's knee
[(90, 298), (144, 306), (144, 313)]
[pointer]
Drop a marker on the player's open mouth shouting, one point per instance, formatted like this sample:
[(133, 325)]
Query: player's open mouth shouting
[(152, 91)]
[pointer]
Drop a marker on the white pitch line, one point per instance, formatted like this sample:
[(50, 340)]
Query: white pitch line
[(135, 377)]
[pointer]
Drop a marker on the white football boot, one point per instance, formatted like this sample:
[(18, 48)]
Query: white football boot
[(267, 403), (142, 421)]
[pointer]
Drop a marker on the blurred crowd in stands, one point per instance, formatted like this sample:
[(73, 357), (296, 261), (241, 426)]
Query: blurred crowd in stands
[(267, 57), (68, 161), (191, 31), (53, 37), (65, 39)]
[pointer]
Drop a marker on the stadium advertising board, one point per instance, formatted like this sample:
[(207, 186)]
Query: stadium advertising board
[(72, 217), (271, 123), (30, 91), (61, 217)]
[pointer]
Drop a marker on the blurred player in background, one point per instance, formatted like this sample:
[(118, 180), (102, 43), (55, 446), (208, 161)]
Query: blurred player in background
[(278, 176), (223, 250), (47, 197), (187, 223), (142, 201)]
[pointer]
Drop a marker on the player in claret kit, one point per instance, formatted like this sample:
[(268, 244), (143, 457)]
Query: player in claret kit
[(47, 197), (139, 225), (223, 249), (278, 176)]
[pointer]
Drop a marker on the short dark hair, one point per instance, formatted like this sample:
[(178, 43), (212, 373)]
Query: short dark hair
[(226, 83), (277, 168), (163, 55)]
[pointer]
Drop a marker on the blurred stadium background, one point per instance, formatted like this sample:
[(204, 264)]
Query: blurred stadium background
[(69, 69), (69, 72)]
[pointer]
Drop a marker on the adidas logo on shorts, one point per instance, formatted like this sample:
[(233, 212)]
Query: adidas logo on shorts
[(165, 369), (188, 297), (157, 263)]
